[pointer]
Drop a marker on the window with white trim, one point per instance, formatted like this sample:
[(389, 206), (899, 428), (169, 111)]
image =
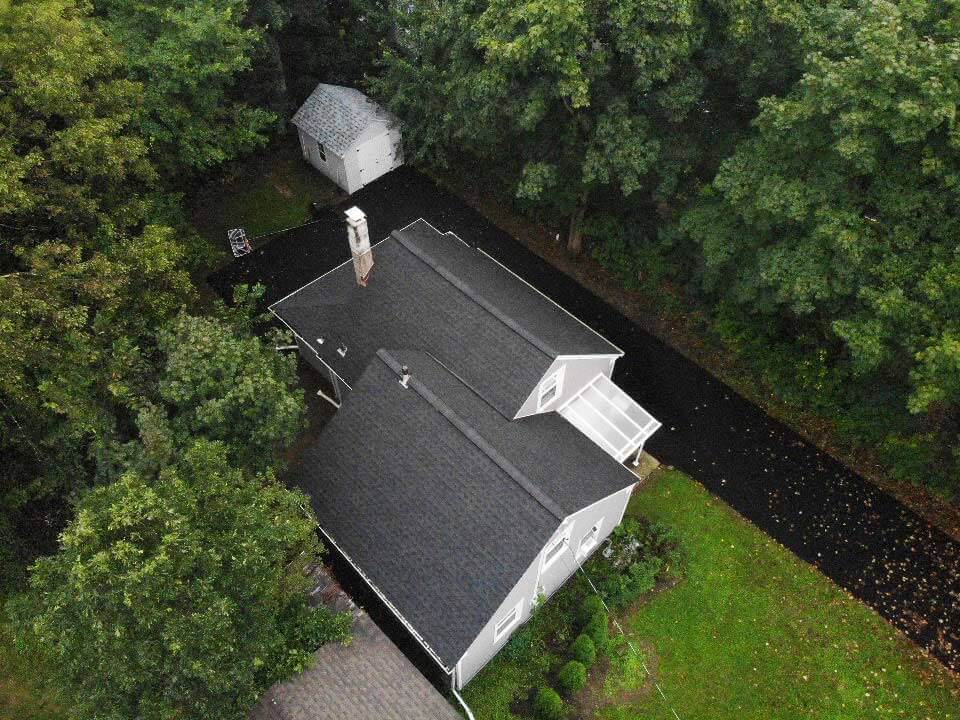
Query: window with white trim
[(321, 151), (507, 622), (550, 389), (555, 549), (589, 541)]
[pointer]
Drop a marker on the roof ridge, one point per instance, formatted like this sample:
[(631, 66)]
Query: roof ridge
[(471, 293), (545, 501)]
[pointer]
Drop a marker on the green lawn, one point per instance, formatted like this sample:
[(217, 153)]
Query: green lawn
[(273, 192), (750, 632), (20, 697)]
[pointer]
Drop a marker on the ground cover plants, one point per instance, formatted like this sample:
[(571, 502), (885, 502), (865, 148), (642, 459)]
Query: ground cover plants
[(747, 630)]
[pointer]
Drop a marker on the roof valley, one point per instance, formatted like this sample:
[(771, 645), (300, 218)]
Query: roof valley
[(544, 500)]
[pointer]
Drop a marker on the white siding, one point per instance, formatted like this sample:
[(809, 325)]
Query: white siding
[(362, 164), (379, 155), (577, 373), (330, 164), (534, 581)]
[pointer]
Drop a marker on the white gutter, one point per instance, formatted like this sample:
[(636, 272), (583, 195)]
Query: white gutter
[(416, 635)]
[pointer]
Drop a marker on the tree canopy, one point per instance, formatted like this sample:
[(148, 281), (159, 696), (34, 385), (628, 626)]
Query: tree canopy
[(187, 54), (838, 215), (791, 165), (182, 593), (74, 167)]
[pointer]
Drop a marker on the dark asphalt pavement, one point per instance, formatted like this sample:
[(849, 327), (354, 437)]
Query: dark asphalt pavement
[(862, 538)]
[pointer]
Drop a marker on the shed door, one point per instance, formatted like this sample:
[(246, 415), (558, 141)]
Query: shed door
[(375, 158)]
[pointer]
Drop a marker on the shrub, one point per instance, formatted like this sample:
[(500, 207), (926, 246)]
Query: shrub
[(572, 678), (598, 629), (909, 457), (528, 646), (590, 607), (550, 705), (640, 553), (583, 650)]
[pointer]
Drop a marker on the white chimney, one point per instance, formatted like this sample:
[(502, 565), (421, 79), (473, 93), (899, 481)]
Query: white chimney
[(359, 245), (405, 376)]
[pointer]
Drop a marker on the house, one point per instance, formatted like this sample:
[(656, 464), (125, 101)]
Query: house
[(347, 136), (475, 460)]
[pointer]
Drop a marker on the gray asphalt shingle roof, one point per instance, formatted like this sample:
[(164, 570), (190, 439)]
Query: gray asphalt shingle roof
[(339, 117), (439, 499), (429, 291)]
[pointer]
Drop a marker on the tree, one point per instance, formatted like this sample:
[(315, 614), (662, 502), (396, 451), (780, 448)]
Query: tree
[(178, 594), (835, 222), (71, 329), (578, 96), (188, 55), (219, 381), (70, 162), (334, 42)]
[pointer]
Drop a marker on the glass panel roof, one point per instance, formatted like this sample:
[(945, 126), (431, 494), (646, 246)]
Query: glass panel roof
[(608, 416)]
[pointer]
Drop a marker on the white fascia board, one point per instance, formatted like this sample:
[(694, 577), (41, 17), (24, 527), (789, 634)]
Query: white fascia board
[(624, 489), (597, 356), (316, 279), (345, 262), (334, 269)]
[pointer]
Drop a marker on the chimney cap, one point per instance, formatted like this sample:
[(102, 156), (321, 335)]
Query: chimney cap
[(355, 214)]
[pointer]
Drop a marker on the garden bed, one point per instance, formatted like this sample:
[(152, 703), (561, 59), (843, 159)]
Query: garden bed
[(750, 631)]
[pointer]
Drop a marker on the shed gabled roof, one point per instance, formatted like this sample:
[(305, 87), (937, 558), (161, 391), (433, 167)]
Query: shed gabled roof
[(431, 291), (441, 501), (340, 117)]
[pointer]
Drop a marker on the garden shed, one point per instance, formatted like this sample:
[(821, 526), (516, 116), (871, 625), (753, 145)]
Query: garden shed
[(347, 136)]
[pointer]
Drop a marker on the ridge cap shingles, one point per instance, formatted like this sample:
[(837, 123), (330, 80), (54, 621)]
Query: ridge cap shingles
[(471, 293), (545, 501)]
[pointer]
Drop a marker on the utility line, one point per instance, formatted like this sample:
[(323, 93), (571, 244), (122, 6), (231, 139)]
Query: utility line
[(616, 622)]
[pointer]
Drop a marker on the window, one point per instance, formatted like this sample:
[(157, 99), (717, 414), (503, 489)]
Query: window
[(589, 541), (321, 152), (506, 623), (555, 549), (550, 389)]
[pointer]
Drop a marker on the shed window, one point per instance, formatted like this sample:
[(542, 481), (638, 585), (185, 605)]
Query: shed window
[(506, 623), (321, 152), (589, 541), (550, 389)]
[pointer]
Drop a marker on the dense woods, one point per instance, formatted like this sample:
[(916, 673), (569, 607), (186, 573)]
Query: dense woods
[(790, 168), (141, 430)]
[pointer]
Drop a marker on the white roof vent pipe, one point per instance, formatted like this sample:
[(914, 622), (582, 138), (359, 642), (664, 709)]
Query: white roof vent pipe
[(405, 376), (359, 245)]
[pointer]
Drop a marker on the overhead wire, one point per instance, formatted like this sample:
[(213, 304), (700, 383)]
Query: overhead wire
[(643, 663)]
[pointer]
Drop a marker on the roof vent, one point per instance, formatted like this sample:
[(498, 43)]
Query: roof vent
[(359, 245), (405, 376)]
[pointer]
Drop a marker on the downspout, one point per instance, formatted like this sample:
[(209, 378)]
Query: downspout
[(455, 680), (466, 709)]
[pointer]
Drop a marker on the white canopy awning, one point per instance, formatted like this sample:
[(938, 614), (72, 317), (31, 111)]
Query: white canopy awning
[(611, 418)]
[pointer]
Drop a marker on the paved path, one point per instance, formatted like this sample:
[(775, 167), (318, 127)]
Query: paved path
[(862, 538), (367, 679)]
